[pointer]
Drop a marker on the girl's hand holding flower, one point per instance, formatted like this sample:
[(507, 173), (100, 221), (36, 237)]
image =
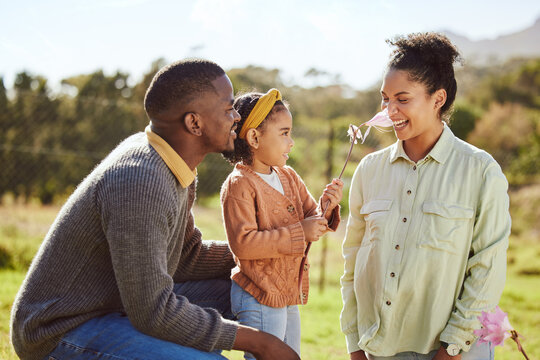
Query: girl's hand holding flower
[(314, 227), (331, 196)]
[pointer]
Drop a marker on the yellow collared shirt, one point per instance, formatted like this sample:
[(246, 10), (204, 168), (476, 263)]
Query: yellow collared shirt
[(425, 247), (175, 163)]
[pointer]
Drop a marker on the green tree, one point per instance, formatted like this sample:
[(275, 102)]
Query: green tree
[(255, 78), (5, 125), (463, 119), (34, 114)]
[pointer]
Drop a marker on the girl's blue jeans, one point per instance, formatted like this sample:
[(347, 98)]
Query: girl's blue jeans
[(283, 322), (112, 337)]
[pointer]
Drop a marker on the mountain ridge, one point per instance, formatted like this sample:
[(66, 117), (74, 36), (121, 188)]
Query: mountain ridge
[(524, 43)]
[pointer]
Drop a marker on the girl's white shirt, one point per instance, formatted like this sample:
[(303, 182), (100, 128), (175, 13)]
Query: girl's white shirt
[(272, 179)]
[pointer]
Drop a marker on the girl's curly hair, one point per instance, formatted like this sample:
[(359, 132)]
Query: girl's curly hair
[(244, 104)]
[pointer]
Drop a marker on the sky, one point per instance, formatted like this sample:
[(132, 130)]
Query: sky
[(346, 39)]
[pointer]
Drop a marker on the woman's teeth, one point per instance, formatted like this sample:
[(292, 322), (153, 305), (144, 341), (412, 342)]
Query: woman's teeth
[(400, 123)]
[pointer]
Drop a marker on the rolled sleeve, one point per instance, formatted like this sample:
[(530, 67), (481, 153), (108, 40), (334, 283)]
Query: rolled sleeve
[(486, 268)]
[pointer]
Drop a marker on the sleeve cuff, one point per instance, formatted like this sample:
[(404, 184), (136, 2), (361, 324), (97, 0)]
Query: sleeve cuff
[(228, 335), (335, 219), (453, 335), (352, 342), (298, 243)]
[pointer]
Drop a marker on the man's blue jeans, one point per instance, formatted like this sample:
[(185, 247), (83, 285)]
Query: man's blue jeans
[(113, 337)]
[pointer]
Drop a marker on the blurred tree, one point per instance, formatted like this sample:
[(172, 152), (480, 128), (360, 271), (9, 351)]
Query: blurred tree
[(34, 117), (139, 90), (255, 78), (502, 131), (5, 125), (463, 119)]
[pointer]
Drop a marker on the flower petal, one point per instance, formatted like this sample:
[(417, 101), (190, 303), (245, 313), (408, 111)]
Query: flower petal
[(380, 119), (352, 131), (366, 134)]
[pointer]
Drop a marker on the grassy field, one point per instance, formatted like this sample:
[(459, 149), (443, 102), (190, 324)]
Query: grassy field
[(23, 227)]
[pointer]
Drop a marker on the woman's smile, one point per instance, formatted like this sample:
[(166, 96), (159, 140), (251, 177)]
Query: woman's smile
[(400, 124)]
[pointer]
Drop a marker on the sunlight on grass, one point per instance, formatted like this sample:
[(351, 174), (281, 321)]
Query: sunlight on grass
[(22, 229), (10, 280)]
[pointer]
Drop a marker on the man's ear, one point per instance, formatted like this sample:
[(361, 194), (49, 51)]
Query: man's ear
[(440, 98), (193, 123), (252, 138)]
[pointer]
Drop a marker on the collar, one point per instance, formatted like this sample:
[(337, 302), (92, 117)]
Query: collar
[(174, 162), (439, 153)]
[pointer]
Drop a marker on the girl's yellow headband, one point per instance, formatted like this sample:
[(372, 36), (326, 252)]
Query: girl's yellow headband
[(261, 110)]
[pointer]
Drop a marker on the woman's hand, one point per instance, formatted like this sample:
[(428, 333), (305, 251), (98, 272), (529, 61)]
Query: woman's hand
[(443, 355), (358, 355)]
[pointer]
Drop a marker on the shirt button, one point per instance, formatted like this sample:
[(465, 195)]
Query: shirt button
[(467, 342), (409, 192), (414, 167), (285, 220), (276, 211), (397, 247), (305, 267), (290, 208), (404, 219), (388, 302), (392, 274)]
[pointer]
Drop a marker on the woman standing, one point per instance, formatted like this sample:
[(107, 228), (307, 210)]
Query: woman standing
[(425, 248)]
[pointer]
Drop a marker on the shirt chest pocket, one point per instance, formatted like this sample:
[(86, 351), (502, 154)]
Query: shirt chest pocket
[(375, 215), (445, 227)]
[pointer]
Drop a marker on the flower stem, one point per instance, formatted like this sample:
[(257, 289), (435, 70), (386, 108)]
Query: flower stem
[(303, 263), (515, 337)]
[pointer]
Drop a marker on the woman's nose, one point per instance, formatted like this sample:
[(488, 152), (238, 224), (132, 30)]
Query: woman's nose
[(392, 108)]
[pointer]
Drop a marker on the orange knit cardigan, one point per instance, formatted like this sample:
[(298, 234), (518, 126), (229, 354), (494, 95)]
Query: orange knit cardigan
[(265, 235)]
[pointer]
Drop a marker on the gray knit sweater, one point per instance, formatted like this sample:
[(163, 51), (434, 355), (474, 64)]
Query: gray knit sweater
[(120, 242)]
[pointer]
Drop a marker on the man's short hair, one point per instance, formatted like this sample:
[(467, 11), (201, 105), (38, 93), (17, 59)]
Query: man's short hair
[(180, 83)]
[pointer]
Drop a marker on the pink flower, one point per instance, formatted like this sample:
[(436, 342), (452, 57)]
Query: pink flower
[(495, 327), (381, 119), (354, 133)]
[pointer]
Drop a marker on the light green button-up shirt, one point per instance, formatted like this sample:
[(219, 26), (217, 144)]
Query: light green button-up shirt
[(425, 247)]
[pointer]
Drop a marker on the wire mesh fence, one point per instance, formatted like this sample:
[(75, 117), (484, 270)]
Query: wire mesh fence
[(47, 146)]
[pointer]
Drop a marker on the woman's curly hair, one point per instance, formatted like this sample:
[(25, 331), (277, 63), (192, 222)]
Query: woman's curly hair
[(429, 59), (244, 104)]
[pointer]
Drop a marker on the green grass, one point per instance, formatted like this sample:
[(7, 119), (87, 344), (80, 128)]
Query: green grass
[(23, 227), (10, 280)]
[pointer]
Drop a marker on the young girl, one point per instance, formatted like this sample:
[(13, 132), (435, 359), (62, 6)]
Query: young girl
[(270, 217), (425, 247)]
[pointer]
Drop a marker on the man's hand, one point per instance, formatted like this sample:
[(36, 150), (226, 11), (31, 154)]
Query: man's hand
[(262, 345), (443, 355), (358, 355), (314, 227)]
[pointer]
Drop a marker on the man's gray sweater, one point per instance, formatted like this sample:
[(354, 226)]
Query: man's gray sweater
[(121, 241)]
